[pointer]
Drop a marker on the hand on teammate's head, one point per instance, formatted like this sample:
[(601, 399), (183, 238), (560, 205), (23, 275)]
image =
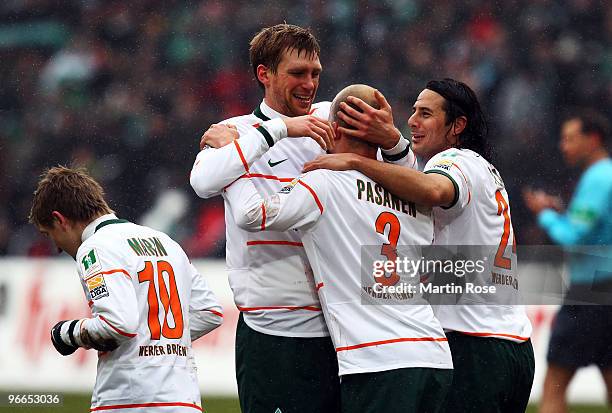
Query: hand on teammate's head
[(313, 127), (335, 162), (369, 123)]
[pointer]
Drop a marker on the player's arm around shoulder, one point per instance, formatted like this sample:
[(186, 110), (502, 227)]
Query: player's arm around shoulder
[(406, 183), (447, 180), (298, 205), (215, 168)]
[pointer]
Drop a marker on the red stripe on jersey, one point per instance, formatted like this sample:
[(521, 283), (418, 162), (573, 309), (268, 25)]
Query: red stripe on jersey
[(312, 192), (263, 219), (312, 111), (138, 405), (214, 312), (262, 176), (124, 272), (123, 333), (493, 335), (391, 341), (244, 162), (279, 307), (90, 303), (264, 242), (319, 286)]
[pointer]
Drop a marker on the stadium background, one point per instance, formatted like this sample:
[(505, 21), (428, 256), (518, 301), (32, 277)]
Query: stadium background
[(126, 89)]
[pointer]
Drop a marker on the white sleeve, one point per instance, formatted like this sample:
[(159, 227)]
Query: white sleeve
[(205, 312), (401, 154), (296, 206), (448, 163), (110, 291), (214, 169)]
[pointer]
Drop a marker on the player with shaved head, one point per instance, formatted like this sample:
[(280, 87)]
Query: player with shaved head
[(281, 332), (392, 352), (492, 353)]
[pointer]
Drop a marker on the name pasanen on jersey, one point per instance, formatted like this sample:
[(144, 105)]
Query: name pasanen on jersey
[(378, 195)]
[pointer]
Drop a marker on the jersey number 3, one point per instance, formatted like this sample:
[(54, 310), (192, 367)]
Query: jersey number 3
[(170, 300), (388, 249)]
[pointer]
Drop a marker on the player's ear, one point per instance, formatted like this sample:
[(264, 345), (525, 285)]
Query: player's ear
[(262, 75), (459, 125), (60, 219)]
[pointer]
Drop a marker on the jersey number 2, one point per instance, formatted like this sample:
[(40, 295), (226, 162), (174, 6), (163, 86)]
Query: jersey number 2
[(170, 300), (388, 250), (502, 209)]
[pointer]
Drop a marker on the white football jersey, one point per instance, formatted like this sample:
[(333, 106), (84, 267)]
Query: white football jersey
[(480, 215), (145, 294), (269, 272), (343, 217)]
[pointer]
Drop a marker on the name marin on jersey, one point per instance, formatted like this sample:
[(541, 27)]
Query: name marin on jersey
[(147, 247)]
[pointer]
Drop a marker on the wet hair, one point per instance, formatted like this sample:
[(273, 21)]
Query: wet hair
[(70, 191), (269, 44), (460, 100), (592, 122)]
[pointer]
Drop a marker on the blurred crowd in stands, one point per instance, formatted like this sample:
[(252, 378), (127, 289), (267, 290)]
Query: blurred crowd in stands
[(126, 88)]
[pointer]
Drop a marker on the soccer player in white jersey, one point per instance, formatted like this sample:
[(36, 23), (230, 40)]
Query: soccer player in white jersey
[(147, 300), (281, 332), (492, 352), (392, 354)]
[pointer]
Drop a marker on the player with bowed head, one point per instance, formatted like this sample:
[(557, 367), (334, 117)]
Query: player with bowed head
[(148, 302)]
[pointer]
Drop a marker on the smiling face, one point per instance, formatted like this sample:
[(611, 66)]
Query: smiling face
[(292, 89), (430, 133)]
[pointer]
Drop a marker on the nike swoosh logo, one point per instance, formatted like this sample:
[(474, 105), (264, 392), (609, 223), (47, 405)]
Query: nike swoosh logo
[(273, 164)]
